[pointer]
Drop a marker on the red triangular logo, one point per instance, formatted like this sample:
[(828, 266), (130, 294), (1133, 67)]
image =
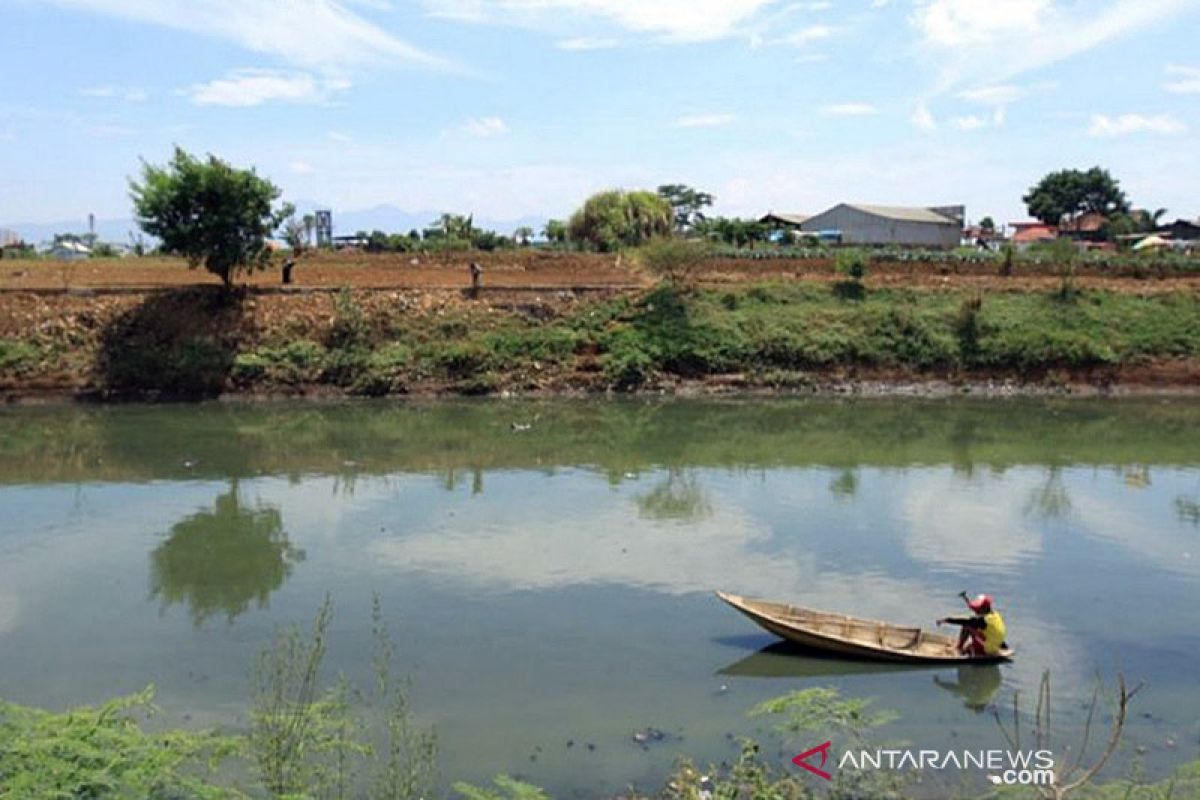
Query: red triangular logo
[(802, 760)]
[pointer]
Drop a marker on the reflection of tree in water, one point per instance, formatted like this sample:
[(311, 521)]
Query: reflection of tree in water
[(678, 497), (1188, 509), (1050, 500), (845, 485), (221, 560)]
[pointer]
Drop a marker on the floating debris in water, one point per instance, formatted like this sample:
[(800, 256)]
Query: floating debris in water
[(648, 735)]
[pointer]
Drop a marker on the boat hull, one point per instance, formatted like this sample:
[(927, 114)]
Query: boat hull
[(855, 637)]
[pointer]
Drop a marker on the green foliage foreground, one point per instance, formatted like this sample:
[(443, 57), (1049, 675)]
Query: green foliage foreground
[(105, 753)]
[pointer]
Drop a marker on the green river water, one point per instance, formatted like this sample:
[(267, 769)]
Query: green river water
[(550, 588)]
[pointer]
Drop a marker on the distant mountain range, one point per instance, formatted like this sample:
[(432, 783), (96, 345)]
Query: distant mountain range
[(386, 218)]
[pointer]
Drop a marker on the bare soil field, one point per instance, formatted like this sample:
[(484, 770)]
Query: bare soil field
[(525, 270)]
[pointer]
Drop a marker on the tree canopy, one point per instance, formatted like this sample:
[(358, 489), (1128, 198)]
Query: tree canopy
[(209, 212), (555, 231), (687, 204), (614, 219), (1068, 193), (734, 230)]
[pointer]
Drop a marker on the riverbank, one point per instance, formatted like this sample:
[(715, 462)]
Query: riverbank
[(786, 337)]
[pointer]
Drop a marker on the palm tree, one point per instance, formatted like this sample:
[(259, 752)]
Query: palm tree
[(1150, 220)]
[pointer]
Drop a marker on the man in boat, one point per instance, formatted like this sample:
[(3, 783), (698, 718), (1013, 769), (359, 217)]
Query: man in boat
[(982, 633)]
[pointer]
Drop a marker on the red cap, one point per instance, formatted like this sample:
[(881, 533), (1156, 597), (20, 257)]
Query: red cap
[(980, 604)]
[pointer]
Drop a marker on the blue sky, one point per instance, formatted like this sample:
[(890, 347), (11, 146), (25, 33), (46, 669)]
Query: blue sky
[(516, 108)]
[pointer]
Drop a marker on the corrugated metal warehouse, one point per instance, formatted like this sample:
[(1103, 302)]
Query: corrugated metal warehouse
[(939, 226)]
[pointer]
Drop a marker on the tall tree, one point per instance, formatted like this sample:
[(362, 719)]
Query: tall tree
[(310, 224), (614, 219), (555, 231), (209, 212), (1068, 193), (687, 204)]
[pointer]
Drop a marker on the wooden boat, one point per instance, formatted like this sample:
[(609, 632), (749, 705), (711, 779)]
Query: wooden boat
[(855, 637)]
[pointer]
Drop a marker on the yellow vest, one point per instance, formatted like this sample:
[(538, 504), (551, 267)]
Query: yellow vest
[(994, 634)]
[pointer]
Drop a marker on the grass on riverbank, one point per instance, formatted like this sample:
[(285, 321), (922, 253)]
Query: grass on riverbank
[(106, 753), (195, 344)]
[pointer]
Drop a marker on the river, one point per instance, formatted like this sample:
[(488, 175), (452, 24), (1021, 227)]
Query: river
[(547, 567)]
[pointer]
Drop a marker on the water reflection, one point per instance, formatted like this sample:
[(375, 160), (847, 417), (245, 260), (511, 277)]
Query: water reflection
[(219, 561), (970, 524), (786, 660), (1187, 509), (586, 566), (677, 497), (976, 684), (845, 485), (1049, 500)]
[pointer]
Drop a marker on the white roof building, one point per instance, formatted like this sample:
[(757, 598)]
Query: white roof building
[(860, 223)]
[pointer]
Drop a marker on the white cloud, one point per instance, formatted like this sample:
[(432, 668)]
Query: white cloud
[(969, 41), (1186, 79), (339, 136), (587, 43), (922, 117), (1002, 94), (958, 23), (806, 36), (1103, 125), (676, 20), (253, 87), (131, 94), (704, 120), (849, 110), (974, 122), (321, 34), (485, 127), (300, 167)]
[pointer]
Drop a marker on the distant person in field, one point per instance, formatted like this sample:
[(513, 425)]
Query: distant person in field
[(983, 633), (476, 278), (288, 265)]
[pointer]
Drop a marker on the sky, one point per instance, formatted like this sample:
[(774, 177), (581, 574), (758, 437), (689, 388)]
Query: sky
[(521, 108)]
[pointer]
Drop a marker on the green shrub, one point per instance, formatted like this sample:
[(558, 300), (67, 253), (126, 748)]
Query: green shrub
[(676, 261), (248, 368), (459, 360), (627, 362), (967, 326), (349, 329), (852, 263), (102, 752), (17, 357)]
